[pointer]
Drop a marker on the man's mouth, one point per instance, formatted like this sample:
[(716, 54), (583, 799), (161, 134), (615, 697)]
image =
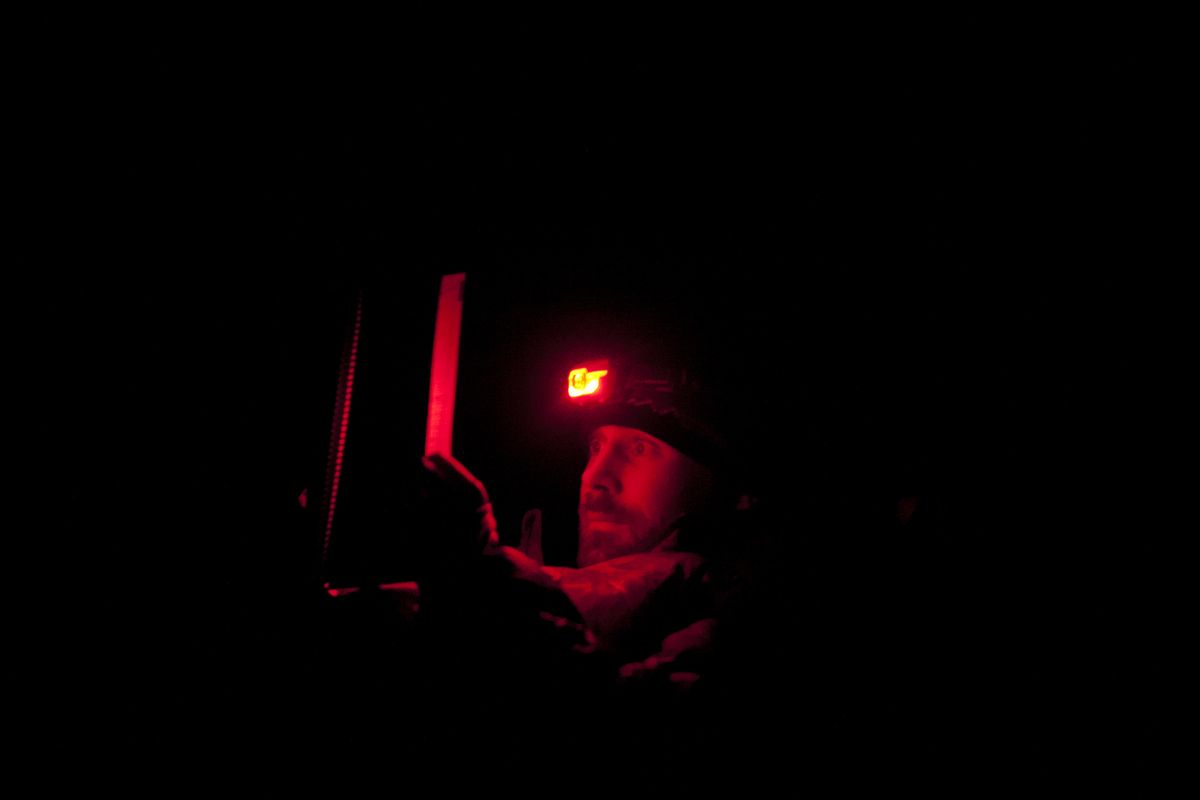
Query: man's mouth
[(601, 520)]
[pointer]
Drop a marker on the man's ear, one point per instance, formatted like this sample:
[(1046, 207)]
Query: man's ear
[(702, 484)]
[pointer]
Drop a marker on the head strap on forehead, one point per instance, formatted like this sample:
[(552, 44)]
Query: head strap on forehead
[(665, 402)]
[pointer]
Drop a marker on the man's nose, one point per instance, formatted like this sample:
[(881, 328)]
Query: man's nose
[(602, 473)]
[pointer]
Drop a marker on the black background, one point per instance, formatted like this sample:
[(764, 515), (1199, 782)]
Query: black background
[(922, 252)]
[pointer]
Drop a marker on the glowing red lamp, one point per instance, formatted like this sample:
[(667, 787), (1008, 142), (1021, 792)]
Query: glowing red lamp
[(587, 381)]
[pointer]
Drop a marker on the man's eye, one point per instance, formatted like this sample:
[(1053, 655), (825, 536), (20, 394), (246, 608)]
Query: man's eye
[(594, 446), (640, 448)]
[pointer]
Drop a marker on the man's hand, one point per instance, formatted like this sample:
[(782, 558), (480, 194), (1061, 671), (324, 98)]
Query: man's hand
[(459, 511)]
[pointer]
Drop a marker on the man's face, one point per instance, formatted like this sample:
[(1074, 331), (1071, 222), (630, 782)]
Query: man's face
[(633, 489)]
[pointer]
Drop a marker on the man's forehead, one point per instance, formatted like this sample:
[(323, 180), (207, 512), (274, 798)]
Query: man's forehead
[(621, 432)]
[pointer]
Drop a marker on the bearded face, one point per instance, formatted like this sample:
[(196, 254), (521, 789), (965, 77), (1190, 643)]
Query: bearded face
[(634, 488)]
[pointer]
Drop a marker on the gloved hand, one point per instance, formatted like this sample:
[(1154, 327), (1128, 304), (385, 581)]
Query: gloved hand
[(456, 511), (680, 661)]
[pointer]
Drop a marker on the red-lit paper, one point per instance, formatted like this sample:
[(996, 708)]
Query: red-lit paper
[(443, 376)]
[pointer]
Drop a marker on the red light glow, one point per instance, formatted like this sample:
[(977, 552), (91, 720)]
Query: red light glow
[(582, 381)]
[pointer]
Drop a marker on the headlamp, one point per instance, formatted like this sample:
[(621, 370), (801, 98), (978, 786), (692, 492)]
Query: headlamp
[(589, 381), (658, 400)]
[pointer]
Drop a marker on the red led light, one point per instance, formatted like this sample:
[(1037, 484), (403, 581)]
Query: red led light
[(583, 381)]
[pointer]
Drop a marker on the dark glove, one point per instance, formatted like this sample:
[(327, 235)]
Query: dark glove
[(458, 513)]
